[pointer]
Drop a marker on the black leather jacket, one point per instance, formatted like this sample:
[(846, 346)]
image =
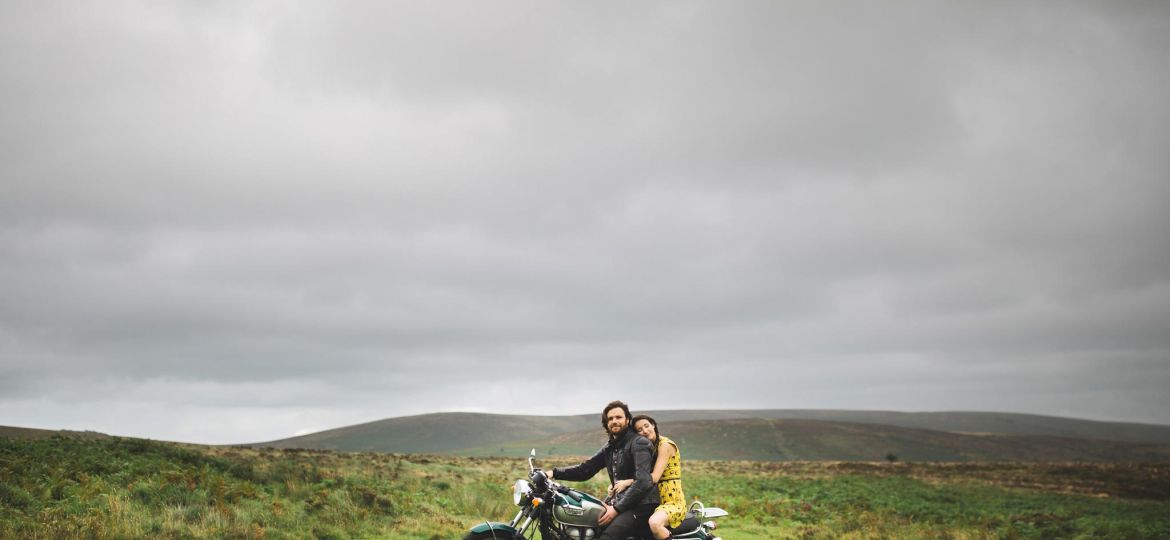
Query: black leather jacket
[(626, 456)]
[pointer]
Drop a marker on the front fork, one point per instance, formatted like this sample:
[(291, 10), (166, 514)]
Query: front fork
[(526, 514), (516, 519)]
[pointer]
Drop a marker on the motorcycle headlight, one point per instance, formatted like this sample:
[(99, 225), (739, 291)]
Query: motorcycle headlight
[(520, 491)]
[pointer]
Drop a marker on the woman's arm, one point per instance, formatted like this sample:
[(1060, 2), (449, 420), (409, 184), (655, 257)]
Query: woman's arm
[(620, 486), (664, 453)]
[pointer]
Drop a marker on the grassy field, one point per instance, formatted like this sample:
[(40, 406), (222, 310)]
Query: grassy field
[(129, 488)]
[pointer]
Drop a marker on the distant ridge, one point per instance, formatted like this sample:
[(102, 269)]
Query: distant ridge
[(767, 435), (758, 439), (954, 421), (22, 433), (434, 433)]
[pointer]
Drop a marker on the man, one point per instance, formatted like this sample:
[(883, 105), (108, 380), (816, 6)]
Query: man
[(627, 455)]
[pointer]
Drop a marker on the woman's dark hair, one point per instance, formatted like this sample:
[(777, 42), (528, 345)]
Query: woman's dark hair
[(653, 423), (614, 405)]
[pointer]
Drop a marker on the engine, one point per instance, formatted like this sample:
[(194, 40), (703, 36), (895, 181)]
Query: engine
[(579, 533)]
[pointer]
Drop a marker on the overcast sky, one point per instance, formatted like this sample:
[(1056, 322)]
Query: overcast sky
[(238, 221)]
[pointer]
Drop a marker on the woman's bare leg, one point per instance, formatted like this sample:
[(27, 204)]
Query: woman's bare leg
[(658, 523)]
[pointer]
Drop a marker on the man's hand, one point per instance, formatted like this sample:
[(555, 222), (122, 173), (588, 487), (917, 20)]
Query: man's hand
[(608, 516)]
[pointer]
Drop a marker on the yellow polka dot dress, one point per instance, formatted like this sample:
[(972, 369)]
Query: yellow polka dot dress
[(670, 485)]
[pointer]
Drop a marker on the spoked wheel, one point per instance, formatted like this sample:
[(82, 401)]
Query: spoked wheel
[(488, 535)]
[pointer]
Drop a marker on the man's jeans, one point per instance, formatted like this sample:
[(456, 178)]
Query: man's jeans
[(629, 523)]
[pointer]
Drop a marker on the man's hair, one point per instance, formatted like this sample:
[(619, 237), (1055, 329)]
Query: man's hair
[(614, 405)]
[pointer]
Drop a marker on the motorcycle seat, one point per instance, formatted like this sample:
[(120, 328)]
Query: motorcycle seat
[(689, 523)]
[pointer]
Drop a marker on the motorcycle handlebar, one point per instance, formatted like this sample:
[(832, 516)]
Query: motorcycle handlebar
[(539, 479)]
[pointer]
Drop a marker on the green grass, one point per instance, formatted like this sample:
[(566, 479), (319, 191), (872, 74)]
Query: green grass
[(904, 507), (128, 488)]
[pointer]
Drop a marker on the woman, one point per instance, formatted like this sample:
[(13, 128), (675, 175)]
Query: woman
[(667, 474)]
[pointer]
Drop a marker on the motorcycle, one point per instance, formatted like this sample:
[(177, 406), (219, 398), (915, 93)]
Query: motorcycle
[(562, 513)]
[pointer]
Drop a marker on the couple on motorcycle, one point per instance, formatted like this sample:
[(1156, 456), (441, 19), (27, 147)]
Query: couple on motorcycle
[(644, 473)]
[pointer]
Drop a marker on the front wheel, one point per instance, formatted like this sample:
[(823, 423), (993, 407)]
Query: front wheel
[(491, 535), (479, 536)]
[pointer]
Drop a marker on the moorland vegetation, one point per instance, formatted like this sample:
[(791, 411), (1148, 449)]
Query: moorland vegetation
[(71, 487)]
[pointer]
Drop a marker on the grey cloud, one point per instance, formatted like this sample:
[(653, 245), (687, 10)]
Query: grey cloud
[(360, 210)]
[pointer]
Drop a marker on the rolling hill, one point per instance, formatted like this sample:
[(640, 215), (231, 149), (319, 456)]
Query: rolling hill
[(764, 435), (34, 434), (435, 433), (767, 435), (817, 440)]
